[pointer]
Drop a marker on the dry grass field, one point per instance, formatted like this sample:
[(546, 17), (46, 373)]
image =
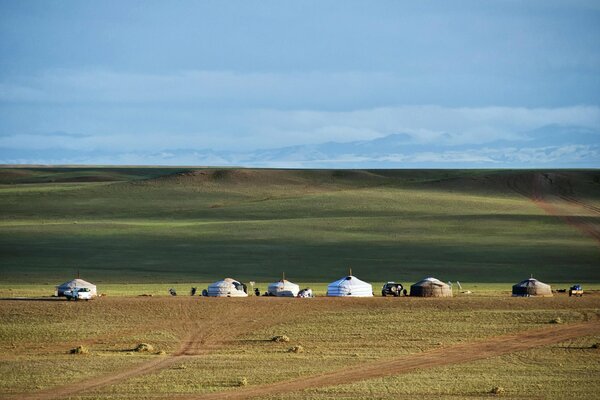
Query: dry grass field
[(203, 346)]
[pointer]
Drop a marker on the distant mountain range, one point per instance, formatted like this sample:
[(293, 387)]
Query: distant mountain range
[(550, 146)]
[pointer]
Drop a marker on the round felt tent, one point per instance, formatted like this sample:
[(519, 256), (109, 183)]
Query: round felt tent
[(349, 286), (283, 288), (531, 287), (431, 287), (227, 288), (75, 283)]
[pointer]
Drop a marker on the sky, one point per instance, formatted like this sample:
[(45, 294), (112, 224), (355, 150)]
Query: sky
[(221, 82)]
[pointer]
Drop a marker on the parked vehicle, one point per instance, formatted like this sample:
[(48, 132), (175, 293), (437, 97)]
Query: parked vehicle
[(306, 293), (392, 289), (576, 290), (79, 294)]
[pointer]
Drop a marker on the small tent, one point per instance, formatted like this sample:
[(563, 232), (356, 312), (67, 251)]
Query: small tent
[(283, 288), (431, 287), (531, 287), (227, 288), (349, 286), (72, 284)]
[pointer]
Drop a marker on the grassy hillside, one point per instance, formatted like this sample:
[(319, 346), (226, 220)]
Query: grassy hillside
[(188, 225)]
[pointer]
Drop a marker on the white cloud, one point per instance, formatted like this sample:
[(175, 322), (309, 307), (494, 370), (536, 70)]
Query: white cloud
[(240, 111), (254, 129), (557, 156), (532, 157), (140, 119), (426, 124)]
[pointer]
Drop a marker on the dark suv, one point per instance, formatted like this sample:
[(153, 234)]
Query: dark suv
[(392, 289)]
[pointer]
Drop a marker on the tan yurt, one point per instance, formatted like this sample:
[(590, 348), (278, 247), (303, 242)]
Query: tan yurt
[(431, 287), (531, 287), (283, 288), (75, 283), (227, 288)]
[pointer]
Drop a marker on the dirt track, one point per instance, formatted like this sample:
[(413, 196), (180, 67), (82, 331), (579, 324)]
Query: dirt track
[(191, 345), (440, 357), (210, 335), (553, 193), (572, 210), (203, 341)]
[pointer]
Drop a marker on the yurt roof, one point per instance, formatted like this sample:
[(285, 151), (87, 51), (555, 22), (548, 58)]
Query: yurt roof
[(351, 279), (283, 281), (226, 281), (531, 282), (77, 283), (430, 281)]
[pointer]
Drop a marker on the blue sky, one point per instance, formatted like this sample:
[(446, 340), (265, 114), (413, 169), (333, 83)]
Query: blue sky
[(218, 82)]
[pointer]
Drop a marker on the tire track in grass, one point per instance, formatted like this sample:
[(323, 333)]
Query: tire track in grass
[(539, 198), (460, 353), (538, 192), (592, 208), (202, 340), (87, 385)]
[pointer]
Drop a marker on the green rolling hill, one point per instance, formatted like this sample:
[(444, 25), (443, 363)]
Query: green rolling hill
[(189, 224)]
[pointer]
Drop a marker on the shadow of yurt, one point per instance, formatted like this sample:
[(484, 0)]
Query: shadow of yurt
[(430, 287), (531, 288)]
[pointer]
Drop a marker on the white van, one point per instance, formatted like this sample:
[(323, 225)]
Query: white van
[(79, 294)]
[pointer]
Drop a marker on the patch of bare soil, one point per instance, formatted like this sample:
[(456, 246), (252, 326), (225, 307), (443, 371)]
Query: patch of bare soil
[(269, 179), (232, 176), (461, 353)]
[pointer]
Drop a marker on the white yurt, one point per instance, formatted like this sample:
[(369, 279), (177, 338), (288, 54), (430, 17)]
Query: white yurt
[(283, 288), (349, 286), (227, 288), (72, 284)]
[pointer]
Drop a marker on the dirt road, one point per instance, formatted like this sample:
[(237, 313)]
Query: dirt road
[(461, 353), (191, 345), (207, 336), (554, 194)]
